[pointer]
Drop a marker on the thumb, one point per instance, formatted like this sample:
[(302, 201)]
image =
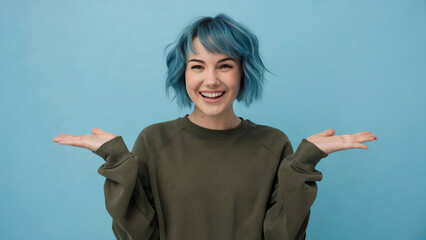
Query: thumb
[(97, 131), (326, 133)]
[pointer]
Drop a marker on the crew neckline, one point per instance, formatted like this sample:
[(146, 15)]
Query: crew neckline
[(211, 133)]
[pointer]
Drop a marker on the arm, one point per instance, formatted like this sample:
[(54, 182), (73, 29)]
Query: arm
[(125, 197), (295, 188), (294, 192)]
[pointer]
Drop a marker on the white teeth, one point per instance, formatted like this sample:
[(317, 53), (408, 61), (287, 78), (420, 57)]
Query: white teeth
[(217, 94)]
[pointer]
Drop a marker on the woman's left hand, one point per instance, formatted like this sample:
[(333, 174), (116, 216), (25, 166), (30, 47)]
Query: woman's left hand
[(329, 143)]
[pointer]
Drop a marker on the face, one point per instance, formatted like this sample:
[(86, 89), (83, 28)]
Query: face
[(212, 81)]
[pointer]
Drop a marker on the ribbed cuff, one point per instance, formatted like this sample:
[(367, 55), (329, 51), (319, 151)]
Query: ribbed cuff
[(113, 150), (308, 155)]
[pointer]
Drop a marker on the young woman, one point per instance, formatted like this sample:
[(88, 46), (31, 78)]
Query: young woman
[(212, 174)]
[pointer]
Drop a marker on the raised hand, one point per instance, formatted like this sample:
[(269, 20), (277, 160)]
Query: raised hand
[(91, 142), (329, 143)]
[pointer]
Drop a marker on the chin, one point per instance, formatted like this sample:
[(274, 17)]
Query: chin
[(212, 112)]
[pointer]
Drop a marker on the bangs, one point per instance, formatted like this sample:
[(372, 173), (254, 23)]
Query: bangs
[(216, 37)]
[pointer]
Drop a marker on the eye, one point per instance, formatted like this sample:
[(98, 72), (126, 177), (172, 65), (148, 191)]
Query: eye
[(197, 67), (225, 66)]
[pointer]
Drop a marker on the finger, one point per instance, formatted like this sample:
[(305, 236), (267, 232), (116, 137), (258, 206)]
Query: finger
[(326, 133), (359, 145), (73, 137), (73, 142), (366, 138), (63, 136), (360, 133), (97, 131), (78, 137)]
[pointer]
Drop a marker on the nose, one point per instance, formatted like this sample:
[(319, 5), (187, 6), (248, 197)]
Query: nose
[(211, 78)]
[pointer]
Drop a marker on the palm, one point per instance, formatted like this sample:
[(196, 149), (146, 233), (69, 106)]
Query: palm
[(329, 143), (91, 142)]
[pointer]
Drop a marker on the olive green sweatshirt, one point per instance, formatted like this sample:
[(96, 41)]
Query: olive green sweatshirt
[(185, 182)]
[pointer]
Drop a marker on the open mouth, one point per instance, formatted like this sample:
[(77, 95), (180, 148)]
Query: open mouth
[(214, 95)]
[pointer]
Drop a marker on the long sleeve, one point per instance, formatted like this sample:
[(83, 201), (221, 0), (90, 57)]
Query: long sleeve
[(125, 197), (294, 192)]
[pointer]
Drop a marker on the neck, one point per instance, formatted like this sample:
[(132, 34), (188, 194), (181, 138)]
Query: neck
[(216, 122)]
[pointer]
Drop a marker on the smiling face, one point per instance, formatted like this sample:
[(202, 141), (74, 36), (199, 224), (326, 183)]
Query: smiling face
[(212, 81)]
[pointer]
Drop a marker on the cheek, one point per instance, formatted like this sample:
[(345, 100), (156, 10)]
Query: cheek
[(190, 84), (236, 83)]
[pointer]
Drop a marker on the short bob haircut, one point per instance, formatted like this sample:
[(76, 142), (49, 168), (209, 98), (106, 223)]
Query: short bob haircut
[(222, 35)]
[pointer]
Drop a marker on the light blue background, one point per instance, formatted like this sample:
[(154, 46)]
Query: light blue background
[(69, 66)]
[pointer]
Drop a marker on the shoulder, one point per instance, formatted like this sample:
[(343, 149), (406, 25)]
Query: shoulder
[(271, 138), (156, 135), (162, 129), (266, 133)]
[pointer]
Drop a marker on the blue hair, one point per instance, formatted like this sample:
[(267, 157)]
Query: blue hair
[(222, 35)]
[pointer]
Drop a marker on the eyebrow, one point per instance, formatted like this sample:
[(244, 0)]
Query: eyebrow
[(221, 60)]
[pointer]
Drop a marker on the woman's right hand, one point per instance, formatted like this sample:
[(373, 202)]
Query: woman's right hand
[(91, 142)]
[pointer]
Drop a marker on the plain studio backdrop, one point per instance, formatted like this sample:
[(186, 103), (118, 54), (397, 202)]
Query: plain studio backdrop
[(70, 66)]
